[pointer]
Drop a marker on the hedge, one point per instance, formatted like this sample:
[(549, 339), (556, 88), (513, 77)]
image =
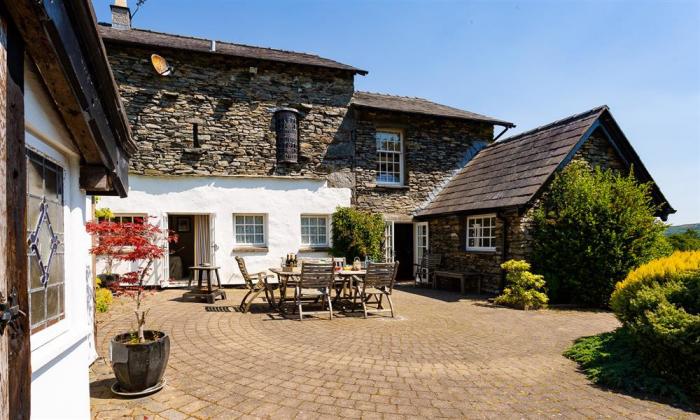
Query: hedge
[(659, 304)]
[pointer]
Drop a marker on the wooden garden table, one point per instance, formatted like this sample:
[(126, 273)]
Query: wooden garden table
[(290, 279), (209, 293)]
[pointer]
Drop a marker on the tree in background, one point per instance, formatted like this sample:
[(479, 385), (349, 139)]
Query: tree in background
[(357, 234), (590, 230), (686, 241)]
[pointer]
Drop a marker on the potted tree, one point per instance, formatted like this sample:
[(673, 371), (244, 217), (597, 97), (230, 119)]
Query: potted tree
[(107, 277), (138, 357)]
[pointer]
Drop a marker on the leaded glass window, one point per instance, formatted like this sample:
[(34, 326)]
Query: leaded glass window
[(249, 229), (314, 230), (481, 233), (45, 251), (389, 157)]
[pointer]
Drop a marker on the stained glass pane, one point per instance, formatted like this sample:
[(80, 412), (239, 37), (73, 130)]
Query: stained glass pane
[(46, 271), (38, 306), (51, 188), (34, 272), (55, 212), (52, 307), (35, 178), (56, 270)]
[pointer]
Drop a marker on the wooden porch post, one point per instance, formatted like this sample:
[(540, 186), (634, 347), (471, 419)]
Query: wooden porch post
[(15, 351)]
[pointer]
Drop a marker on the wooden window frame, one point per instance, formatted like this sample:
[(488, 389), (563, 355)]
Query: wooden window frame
[(493, 237), (327, 218), (245, 244), (401, 153)]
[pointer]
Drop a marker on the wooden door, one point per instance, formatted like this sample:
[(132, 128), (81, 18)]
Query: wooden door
[(15, 351)]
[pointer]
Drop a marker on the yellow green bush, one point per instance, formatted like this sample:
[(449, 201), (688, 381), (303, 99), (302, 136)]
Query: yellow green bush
[(103, 298), (659, 304), (524, 289)]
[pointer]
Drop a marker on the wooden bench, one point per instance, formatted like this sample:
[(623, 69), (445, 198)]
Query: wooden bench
[(462, 277)]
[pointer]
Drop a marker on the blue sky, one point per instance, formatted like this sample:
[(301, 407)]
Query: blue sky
[(529, 62)]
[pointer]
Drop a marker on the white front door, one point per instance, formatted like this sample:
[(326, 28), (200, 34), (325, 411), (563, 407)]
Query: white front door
[(389, 241), (420, 241)]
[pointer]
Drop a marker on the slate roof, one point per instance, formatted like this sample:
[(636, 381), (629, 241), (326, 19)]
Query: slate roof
[(144, 37), (418, 106), (510, 172)]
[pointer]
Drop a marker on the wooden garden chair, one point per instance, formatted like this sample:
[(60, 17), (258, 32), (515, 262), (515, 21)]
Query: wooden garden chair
[(256, 284), (425, 271), (316, 282), (377, 283)]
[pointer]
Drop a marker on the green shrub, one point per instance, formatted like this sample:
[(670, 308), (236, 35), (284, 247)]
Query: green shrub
[(659, 304), (590, 229), (612, 359), (103, 298), (523, 290), (686, 241), (357, 234)]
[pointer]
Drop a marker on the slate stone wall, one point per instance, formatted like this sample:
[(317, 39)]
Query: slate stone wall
[(598, 151), (434, 148), (234, 111), (447, 233)]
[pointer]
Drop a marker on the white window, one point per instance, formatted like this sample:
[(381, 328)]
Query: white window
[(389, 157), (481, 233), (314, 231), (249, 229), (45, 220), (128, 218)]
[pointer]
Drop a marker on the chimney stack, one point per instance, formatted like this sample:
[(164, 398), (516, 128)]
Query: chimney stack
[(121, 15)]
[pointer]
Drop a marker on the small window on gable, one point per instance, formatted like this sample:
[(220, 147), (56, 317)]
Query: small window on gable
[(389, 157), (481, 233), (249, 229), (314, 231)]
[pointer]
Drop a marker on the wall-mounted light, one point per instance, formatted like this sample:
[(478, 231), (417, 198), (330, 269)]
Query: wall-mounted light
[(161, 65)]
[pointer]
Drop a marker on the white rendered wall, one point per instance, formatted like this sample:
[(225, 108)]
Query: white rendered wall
[(281, 200), (62, 353)]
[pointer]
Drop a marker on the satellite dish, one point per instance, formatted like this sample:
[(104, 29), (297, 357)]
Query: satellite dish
[(161, 65)]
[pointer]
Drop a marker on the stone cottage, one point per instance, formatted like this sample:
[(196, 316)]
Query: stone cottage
[(481, 218), (248, 151)]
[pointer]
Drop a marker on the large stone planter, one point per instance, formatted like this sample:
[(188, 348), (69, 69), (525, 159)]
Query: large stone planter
[(139, 366)]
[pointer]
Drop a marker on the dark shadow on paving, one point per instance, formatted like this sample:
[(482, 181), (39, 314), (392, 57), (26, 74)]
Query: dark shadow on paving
[(101, 389), (443, 295)]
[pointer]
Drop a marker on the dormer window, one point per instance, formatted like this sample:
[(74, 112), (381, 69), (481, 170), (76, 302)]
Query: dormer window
[(389, 157)]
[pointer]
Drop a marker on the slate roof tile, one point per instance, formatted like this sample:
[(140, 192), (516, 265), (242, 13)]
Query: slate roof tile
[(510, 172)]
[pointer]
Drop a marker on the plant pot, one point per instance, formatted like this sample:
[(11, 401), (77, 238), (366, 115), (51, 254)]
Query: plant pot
[(108, 279), (139, 366)]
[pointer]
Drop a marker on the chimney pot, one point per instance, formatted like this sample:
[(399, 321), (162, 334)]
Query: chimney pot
[(121, 15)]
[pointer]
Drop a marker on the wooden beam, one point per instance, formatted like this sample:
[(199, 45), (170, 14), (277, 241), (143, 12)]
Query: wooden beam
[(94, 179), (15, 350), (59, 51)]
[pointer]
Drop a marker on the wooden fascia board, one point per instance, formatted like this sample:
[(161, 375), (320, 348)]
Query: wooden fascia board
[(55, 50)]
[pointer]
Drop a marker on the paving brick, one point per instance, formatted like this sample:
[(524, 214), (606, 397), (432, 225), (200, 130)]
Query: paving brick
[(447, 357)]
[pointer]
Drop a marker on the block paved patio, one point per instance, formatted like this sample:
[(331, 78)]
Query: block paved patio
[(445, 356)]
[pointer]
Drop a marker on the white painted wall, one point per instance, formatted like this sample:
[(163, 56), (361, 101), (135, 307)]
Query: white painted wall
[(62, 353), (282, 200)]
